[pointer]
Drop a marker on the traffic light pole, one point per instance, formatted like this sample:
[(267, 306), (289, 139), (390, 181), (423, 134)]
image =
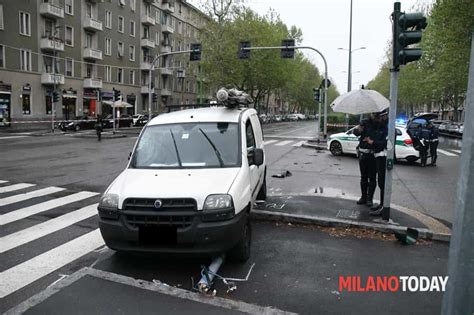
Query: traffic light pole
[(113, 114), (152, 68), (325, 74)]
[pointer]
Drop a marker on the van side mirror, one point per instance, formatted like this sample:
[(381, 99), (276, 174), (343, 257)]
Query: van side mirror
[(258, 157)]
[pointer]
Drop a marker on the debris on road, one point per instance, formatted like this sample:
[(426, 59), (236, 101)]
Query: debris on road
[(408, 238), (282, 175)]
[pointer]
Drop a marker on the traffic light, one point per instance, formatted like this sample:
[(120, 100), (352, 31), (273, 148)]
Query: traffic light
[(243, 54), (55, 97), (317, 94), (116, 94), (155, 97), (407, 29), (288, 52), (195, 54)]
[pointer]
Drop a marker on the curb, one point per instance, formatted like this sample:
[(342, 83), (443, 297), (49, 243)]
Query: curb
[(265, 215)]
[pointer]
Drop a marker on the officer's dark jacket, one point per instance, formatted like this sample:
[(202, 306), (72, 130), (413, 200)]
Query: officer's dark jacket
[(368, 131), (380, 136)]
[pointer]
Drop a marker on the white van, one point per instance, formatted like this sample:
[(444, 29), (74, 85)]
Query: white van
[(189, 186)]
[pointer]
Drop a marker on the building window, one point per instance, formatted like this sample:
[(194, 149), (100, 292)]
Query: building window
[(89, 10), (132, 28), (120, 49), (69, 7), (131, 79), (121, 26), (88, 40), (133, 4), (108, 46), (132, 53), (108, 74), (69, 36), (157, 38), (25, 60), (26, 103), (69, 67), (1, 17), (157, 16), (120, 75), (108, 19), (2, 56), (25, 26)]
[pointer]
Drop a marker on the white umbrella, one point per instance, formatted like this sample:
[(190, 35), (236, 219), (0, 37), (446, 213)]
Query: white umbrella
[(118, 104), (360, 102)]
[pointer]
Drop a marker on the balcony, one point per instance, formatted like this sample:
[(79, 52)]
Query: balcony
[(181, 74), (92, 25), (96, 1), (148, 43), (51, 78), (91, 53), (92, 83), (168, 7), (165, 92), (51, 11), (165, 49), (167, 29), (166, 71), (51, 43), (147, 19), (145, 90)]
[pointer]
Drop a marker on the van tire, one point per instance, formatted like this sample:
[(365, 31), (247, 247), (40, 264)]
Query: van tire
[(262, 194), (241, 252)]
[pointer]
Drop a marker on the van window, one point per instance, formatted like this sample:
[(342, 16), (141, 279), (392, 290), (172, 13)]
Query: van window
[(249, 135), (190, 145)]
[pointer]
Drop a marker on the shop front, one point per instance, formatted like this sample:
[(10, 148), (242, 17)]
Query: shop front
[(90, 102), (69, 104), (5, 104)]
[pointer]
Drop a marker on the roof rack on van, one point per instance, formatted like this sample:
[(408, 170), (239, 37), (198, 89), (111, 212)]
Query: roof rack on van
[(179, 106)]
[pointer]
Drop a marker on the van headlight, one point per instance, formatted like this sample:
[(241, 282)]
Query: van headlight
[(218, 208), (215, 202), (108, 206)]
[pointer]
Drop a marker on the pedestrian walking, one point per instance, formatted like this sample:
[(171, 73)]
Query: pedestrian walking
[(99, 127), (380, 153), (367, 163), (433, 141)]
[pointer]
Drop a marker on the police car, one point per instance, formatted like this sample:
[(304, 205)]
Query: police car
[(347, 142), (189, 186)]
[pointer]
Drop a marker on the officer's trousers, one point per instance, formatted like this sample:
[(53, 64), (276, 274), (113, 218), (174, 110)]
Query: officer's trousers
[(381, 162), (368, 172)]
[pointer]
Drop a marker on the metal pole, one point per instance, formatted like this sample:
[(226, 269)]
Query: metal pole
[(113, 114), (150, 75), (53, 103), (319, 120), (349, 71), (460, 289), (391, 123)]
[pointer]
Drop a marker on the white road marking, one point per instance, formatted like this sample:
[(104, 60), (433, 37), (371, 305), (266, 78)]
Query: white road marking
[(299, 144), (35, 209), (13, 137), (282, 143), (27, 235), (3, 181), (457, 151), (266, 142), (288, 137), (446, 153), (5, 189), (31, 270), (32, 194)]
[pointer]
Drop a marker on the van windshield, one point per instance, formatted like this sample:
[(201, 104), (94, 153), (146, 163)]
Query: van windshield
[(190, 145)]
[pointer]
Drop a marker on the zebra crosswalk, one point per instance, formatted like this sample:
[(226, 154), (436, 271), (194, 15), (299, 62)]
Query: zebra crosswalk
[(34, 217), (284, 143)]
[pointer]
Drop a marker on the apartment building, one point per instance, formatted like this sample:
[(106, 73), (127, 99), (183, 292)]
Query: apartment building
[(83, 49)]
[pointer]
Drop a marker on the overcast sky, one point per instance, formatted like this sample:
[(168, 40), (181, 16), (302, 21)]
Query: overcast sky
[(325, 26)]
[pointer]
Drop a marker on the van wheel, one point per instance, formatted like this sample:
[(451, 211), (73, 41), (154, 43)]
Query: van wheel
[(262, 194), (241, 251)]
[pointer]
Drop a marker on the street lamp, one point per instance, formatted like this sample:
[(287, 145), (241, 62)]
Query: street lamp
[(349, 70)]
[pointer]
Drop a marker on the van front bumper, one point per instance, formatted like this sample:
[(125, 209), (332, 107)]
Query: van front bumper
[(194, 234)]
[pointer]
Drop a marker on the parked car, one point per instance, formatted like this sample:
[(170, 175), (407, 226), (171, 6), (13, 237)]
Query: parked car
[(347, 142), (301, 116), (140, 120), (444, 126), (437, 122), (293, 117), (461, 129), (277, 118), (189, 186), (84, 122), (454, 128), (125, 120)]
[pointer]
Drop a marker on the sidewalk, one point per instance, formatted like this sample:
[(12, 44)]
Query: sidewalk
[(344, 212)]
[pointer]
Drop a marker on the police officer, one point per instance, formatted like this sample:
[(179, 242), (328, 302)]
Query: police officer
[(380, 153), (433, 141), (367, 163), (425, 136), (99, 127)]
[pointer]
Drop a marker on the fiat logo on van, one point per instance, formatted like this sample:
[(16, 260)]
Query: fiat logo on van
[(158, 203)]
